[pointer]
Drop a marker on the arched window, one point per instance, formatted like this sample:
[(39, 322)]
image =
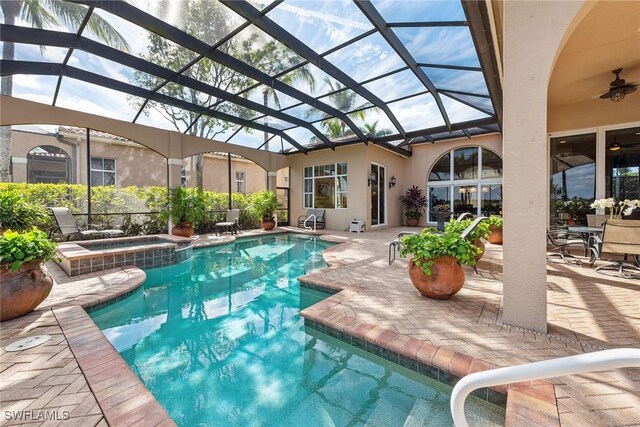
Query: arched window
[(467, 179), (48, 164)]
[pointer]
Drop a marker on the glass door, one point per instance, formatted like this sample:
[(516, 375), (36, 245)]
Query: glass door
[(377, 184)]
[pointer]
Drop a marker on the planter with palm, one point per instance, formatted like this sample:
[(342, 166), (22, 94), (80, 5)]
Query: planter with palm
[(185, 208), (262, 206), (42, 14)]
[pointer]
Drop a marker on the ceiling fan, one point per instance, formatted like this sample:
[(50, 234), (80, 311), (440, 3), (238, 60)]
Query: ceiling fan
[(619, 88)]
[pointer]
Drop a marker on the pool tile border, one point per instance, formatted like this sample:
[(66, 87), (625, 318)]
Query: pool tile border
[(122, 397), (527, 403)]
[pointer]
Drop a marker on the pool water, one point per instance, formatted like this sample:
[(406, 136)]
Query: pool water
[(218, 340)]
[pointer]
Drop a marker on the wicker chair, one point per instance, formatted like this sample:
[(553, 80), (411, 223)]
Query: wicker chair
[(619, 237)]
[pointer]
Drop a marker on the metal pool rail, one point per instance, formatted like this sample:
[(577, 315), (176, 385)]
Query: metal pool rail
[(579, 364)]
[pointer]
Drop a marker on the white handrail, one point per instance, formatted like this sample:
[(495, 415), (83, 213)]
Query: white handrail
[(589, 362), (314, 222)]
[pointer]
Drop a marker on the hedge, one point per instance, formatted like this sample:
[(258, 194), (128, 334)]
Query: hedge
[(109, 199)]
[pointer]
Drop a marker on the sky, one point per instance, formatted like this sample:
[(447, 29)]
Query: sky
[(322, 26)]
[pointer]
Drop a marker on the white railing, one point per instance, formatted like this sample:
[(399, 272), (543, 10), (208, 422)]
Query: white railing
[(314, 222), (589, 362)]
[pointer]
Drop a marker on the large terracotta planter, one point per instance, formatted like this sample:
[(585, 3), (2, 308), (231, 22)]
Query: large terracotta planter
[(495, 237), (22, 290), (268, 224), (446, 279), (479, 244), (412, 222), (182, 229)]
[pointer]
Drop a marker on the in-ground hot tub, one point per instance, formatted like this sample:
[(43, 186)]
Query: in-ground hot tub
[(87, 256)]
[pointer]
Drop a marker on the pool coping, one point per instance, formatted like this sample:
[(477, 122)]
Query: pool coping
[(527, 402), (122, 395)]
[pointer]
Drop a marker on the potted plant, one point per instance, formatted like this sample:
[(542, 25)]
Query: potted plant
[(435, 268), (495, 229), (184, 207), (413, 202), (481, 231), (262, 206), (23, 282)]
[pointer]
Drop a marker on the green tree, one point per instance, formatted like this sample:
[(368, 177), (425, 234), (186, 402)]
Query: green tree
[(210, 22), (343, 100), (41, 14), (371, 129)]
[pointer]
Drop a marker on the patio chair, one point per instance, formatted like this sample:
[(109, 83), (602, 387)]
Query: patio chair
[(231, 222), (66, 226), (619, 237), (319, 213), (563, 243)]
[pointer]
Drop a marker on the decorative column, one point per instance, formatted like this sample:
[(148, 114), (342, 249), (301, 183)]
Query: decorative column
[(533, 32)]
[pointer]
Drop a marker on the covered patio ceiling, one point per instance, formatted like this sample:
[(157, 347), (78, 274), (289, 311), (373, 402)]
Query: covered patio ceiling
[(287, 76)]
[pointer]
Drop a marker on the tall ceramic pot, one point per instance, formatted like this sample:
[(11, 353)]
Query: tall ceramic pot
[(268, 224), (182, 229), (495, 237), (22, 290), (412, 222), (445, 280)]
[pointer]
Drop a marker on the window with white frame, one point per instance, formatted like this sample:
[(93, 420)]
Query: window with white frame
[(240, 182), (467, 179), (103, 171), (184, 179), (325, 186)]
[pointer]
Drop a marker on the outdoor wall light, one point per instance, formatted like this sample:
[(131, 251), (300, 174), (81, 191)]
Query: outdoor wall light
[(392, 181), (371, 178)]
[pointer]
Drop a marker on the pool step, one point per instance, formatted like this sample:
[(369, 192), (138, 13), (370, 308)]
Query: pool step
[(311, 408), (384, 414), (418, 415)]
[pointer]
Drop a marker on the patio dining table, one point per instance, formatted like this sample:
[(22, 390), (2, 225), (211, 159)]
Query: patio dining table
[(585, 232)]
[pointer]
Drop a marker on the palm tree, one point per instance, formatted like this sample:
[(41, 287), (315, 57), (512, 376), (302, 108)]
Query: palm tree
[(39, 14), (300, 74), (372, 130), (343, 100)]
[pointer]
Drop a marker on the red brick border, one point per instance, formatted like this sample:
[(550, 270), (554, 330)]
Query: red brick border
[(122, 397)]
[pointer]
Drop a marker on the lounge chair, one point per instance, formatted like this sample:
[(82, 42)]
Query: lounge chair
[(66, 226), (231, 222), (562, 240), (619, 237), (306, 220)]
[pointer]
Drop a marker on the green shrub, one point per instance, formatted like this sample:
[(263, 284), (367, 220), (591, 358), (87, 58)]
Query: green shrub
[(18, 214), (481, 231), (18, 248), (494, 220)]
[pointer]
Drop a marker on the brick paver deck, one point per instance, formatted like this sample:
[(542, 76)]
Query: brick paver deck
[(587, 311)]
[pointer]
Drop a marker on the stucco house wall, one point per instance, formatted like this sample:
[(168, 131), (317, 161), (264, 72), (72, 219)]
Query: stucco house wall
[(407, 171), (135, 164)]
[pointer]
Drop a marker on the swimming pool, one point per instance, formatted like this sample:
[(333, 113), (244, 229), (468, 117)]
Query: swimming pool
[(219, 341)]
